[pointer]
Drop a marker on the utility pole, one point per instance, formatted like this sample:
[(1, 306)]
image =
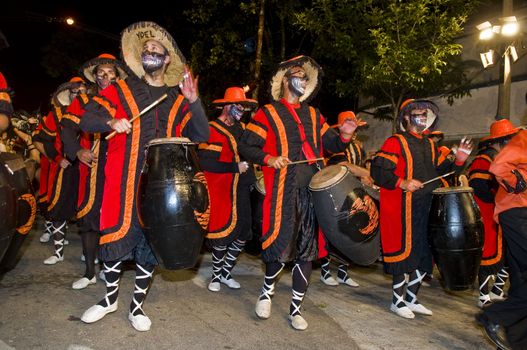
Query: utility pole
[(504, 89)]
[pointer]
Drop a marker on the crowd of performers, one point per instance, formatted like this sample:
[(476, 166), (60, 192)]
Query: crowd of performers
[(92, 179)]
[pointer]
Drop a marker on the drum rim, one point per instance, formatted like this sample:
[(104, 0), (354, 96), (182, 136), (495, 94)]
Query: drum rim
[(453, 189), (346, 171), (169, 140)]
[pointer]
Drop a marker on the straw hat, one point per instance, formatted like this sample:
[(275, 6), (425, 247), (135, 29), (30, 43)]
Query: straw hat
[(500, 128), (235, 95), (61, 97), (410, 104), (132, 42), (88, 69), (313, 72)]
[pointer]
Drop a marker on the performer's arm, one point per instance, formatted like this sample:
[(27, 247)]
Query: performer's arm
[(253, 140), (332, 140), (101, 110), (384, 164), (197, 128), (70, 130), (209, 154), (510, 165)]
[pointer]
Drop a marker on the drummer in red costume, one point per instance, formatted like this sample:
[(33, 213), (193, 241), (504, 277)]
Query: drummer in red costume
[(353, 157), (284, 131), (405, 161), (63, 176), (6, 108), (152, 55), (229, 180), (90, 150), (485, 187)]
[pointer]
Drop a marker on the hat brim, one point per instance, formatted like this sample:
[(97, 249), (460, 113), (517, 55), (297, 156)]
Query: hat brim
[(248, 103), (508, 133), (88, 67), (61, 97), (132, 42), (313, 72)]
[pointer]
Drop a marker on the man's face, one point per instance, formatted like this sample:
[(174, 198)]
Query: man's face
[(296, 80), (81, 89), (105, 74), (418, 119), (154, 56)]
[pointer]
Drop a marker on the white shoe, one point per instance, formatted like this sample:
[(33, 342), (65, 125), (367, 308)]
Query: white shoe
[(140, 322), (484, 301), (83, 283), (298, 322), (348, 282), (214, 286), (497, 297), (330, 281), (231, 283), (263, 308), (45, 237), (96, 312), (83, 259), (102, 277), (404, 311), (420, 309), (52, 260)]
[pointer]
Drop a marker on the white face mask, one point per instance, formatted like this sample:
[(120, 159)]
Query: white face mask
[(152, 61), (297, 85), (236, 113)]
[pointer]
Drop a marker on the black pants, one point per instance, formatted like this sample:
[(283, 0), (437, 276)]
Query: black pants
[(512, 313)]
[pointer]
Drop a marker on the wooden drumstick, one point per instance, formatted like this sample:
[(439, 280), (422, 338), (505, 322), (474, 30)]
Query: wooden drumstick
[(95, 145), (306, 161), (147, 108), (439, 177)]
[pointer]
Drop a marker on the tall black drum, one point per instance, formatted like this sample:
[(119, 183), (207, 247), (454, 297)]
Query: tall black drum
[(346, 214), (456, 236), (14, 171), (173, 202), (7, 211)]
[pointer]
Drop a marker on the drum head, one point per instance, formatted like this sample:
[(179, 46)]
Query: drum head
[(328, 177), (448, 190), (167, 140)]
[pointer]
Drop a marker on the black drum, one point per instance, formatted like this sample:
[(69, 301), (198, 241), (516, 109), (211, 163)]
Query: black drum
[(346, 214), (456, 236), (7, 211), (173, 202), (14, 171)]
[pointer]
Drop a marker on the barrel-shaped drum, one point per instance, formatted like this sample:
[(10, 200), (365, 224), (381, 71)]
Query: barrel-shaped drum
[(456, 236), (346, 214), (7, 211), (173, 203), (14, 172)]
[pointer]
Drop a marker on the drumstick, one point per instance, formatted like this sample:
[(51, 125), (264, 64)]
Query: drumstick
[(95, 145), (437, 178), (147, 108), (305, 161)]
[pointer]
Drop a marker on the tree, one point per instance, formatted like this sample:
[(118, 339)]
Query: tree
[(390, 50)]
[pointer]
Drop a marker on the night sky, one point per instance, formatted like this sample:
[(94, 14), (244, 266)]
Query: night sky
[(29, 26)]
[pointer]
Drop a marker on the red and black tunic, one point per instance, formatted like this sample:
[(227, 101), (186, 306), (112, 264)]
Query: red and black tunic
[(62, 183), (404, 215), (42, 199), (485, 187), (175, 116), (229, 191), (274, 131), (6, 106), (91, 180)]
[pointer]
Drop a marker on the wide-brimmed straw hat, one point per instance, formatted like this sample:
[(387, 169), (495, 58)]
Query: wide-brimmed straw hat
[(313, 71), (88, 69), (133, 39), (61, 97), (500, 128), (235, 95), (410, 104)]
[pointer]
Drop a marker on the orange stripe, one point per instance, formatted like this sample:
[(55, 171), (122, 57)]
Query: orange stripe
[(71, 117), (484, 156), (499, 250), (313, 114), (234, 216), (433, 149), (26, 227), (210, 147), (57, 189), (106, 105), (93, 180), (4, 96), (480, 176), (184, 122), (58, 113), (281, 179), (132, 165), (173, 113), (408, 206), (257, 130), (390, 157)]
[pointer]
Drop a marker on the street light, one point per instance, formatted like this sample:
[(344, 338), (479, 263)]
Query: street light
[(506, 33)]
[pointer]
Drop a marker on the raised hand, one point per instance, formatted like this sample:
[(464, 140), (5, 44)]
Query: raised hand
[(189, 86), (463, 150)]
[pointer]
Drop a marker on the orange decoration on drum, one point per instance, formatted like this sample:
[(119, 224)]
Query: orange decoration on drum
[(202, 216), (366, 205)]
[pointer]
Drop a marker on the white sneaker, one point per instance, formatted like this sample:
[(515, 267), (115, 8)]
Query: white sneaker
[(231, 283), (96, 312), (484, 301), (419, 309), (330, 281), (52, 260), (102, 277), (263, 308), (404, 311), (298, 322), (140, 322), (348, 282), (214, 286), (83, 283), (45, 237), (497, 297)]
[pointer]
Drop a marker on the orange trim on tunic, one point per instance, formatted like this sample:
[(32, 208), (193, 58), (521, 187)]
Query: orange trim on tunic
[(4, 96), (389, 157), (107, 104), (313, 114), (71, 117), (93, 180), (132, 165), (26, 227), (499, 250), (210, 147), (257, 130), (480, 176), (234, 193), (58, 187), (408, 207), (281, 179), (173, 113), (184, 122)]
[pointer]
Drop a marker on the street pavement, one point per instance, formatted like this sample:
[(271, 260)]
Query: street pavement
[(39, 310)]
